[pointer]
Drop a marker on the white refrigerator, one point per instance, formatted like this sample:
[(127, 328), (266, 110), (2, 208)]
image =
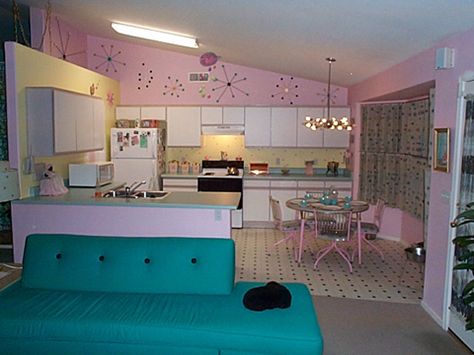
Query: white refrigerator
[(139, 154)]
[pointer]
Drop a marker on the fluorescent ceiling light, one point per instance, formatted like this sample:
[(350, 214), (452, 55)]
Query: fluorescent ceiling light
[(155, 35)]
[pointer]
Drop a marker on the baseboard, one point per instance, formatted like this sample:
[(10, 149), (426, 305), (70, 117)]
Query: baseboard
[(388, 237), (256, 224), (432, 314)]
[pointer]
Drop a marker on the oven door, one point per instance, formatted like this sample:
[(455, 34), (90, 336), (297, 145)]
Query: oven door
[(221, 185)]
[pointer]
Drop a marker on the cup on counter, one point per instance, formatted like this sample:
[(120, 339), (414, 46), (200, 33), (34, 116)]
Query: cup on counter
[(173, 167), (185, 167)]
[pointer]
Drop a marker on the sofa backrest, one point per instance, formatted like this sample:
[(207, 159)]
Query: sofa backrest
[(129, 264)]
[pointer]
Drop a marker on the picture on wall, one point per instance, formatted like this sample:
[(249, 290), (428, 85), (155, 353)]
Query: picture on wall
[(441, 149)]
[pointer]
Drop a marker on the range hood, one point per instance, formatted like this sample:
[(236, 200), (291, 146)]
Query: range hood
[(222, 130)]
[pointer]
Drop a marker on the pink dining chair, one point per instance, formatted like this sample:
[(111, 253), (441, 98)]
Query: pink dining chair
[(335, 227), (371, 228), (291, 228)]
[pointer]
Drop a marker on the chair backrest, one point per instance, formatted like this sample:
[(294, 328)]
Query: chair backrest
[(333, 223), (378, 214), (276, 212)]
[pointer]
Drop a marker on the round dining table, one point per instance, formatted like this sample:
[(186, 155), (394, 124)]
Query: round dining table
[(308, 208)]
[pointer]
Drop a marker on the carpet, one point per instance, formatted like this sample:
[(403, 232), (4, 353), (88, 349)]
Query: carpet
[(368, 327)]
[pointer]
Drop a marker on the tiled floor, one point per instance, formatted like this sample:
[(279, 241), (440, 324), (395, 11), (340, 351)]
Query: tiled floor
[(394, 280)]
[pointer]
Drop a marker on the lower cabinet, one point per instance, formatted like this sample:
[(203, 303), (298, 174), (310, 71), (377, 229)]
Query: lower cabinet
[(283, 191), (256, 195), (256, 203), (177, 184)]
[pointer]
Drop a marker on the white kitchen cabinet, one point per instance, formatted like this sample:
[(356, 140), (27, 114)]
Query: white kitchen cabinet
[(233, 115), (211, 115), (153, 113), (127, 112), (183, 126), (99, 124), (310, 186), (257, 126), (63, 122), (334, 138), (177, 184), (283, 126), (282, 191), (256, 205), (305, 136)]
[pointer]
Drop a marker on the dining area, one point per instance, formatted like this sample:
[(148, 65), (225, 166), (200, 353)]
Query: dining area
[(327, 216)]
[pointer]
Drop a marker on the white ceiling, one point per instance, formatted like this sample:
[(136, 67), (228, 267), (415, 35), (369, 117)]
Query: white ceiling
[(286, 36)]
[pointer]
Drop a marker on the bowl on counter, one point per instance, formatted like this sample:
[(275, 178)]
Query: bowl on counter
[(285, 171)]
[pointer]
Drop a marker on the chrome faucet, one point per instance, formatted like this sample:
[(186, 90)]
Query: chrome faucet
[(134, 186)]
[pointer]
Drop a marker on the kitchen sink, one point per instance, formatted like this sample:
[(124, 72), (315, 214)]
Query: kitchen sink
[(136, 194), (151, 194)]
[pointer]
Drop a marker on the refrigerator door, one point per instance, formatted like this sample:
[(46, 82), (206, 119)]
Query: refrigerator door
[(138, 143), (131, 170)]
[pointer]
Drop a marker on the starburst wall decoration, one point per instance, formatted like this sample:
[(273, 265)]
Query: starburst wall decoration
[(173, 87), (228, 85), (109, 60), (286, 90), (62, 48)]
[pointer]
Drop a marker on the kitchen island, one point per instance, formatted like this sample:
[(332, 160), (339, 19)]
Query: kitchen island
[(179, 214)]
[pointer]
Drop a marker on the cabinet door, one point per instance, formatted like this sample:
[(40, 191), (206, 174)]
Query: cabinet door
[(257, 126), (85, 124), (334, 138), (283, 191), (256, 206), (99, 124), (171, 184), (66, 111), (314, 187), (184, 126), (305, 136), (153, 113), (127, 112), (233, 115), (211, 115), (283, 127)]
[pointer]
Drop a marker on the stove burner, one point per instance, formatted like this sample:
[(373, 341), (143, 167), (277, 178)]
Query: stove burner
[(208, 174)]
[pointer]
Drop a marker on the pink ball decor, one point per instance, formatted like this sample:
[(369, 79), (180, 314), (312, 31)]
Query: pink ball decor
[(208, 59)]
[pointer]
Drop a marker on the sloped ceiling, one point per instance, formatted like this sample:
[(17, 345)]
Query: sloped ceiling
[(286, 36)]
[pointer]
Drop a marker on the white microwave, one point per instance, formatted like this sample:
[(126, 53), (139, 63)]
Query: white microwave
[(91, 174)]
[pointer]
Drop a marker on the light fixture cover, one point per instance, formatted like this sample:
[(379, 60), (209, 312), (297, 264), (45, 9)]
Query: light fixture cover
[(155, 35)]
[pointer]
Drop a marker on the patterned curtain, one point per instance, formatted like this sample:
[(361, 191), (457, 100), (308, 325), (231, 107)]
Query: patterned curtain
[(394, 154), (462, 277)]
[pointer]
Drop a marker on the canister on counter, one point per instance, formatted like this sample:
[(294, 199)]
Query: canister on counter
[(196, 168)]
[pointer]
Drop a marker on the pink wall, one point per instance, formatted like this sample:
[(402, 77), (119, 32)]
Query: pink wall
[(66, 42), (154, 66), (414, 71)]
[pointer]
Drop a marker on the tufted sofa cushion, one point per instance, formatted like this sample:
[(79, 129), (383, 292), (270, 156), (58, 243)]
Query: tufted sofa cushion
[(138, 265)]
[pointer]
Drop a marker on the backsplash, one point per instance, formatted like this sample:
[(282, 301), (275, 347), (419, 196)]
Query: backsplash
[(276, 157)]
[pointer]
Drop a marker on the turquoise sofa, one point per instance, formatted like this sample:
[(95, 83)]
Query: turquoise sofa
[(125, 295)]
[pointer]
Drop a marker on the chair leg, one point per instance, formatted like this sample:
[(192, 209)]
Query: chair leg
[(345, 256), (373, 246), (322, 253)]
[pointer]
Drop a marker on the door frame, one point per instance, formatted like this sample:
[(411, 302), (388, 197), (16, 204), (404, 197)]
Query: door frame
[(447, 322)]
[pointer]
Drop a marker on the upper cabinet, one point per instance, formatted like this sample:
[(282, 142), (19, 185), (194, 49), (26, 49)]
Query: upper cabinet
[(217, 115), (233, 115), (283, 126), (334, 138), (140, 112), (306, 137), (257, 126), (184, 126), (63, 122)]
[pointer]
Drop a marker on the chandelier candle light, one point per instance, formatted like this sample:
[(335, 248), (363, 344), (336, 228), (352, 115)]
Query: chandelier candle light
[(328, 122)]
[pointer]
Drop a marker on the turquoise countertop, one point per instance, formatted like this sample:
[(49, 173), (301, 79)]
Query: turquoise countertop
[(175, 199)]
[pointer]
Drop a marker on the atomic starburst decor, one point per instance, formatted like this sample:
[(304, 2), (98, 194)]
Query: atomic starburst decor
[(228, 85), (173, 87), (109, 58), (63, 46), (286, 90)]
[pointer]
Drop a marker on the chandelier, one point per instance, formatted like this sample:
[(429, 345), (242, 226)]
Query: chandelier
[(328, 122)]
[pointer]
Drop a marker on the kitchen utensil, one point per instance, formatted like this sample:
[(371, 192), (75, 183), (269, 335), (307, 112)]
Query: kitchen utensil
[(224, 155), (332, 168), (232, 170)]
